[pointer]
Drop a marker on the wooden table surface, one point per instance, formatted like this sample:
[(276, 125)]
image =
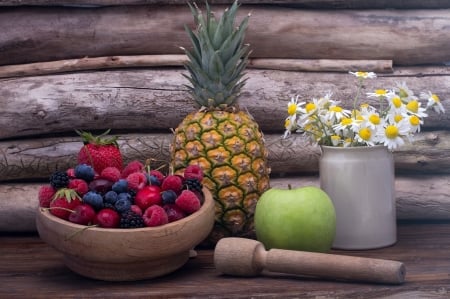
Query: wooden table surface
[(30, 268)]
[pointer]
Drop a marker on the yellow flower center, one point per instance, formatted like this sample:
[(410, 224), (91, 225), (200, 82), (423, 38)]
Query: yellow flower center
[(375, 119), (310, 107), (346, 121), (362, 74), (292, 108), (363, 106), (398, 118), (380, 92), (397, 102), (391, 132), (413, 106), (335, 109), (414, 120), (365, 133), (435, 98), (287, 123)]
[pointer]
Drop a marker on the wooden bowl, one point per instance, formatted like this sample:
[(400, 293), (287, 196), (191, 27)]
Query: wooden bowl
[(114, 254)]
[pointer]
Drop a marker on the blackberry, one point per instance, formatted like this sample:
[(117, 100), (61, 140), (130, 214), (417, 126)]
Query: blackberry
[(59, 179), (193, 185), (130, 219)]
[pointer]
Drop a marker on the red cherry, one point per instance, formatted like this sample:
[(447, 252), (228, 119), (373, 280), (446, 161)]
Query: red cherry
[(148, 196)]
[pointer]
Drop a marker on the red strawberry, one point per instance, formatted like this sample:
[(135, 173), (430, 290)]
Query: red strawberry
[(133, 166), (193, 172), (45, 195), (64, 203), (155, 216), (188, 201), (80, 186), (99, 151)]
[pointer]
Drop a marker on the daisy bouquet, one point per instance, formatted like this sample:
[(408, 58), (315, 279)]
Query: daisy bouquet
[(397, 118)]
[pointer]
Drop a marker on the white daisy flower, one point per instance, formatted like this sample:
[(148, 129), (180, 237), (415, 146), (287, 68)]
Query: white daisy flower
[(336, 113), (364, 75), (433, 101), (379, 93), (413, 107), (294, 106), (391, 135), (366, 135), (403, 91)]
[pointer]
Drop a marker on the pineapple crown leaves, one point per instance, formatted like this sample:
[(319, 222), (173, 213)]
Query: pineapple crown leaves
[(218, 57), (68, 194), (101, 139)]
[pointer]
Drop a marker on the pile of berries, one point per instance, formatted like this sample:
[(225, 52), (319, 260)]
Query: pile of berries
[(128, 198)]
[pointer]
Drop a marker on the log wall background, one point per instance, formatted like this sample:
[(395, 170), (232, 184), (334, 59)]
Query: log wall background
[(99, 64)]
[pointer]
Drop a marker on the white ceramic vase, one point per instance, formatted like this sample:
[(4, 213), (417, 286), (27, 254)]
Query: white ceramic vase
[(361, 183)]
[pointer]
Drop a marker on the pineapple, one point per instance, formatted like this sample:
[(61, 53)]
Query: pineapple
[(223, 140)]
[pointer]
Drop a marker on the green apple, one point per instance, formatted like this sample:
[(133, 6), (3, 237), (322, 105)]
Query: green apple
[(295, 219)]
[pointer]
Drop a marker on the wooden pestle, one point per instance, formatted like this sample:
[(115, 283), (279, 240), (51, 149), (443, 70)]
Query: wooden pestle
[(247, 257)]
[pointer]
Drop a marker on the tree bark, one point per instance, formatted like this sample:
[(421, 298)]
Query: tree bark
[(156, 99), (362, 4), (417, 198), (408, 37), (37, 159)]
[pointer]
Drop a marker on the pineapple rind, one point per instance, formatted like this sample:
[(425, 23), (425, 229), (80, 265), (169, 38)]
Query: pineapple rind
[(234, 165)]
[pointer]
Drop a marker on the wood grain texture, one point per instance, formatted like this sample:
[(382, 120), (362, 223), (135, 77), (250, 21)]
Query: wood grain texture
[(155, 99), (37, 158), (408, 4), (55, 33), (418, 197), (136, 61), (27, 265)]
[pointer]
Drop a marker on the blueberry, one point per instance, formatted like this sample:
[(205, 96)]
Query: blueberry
[(111, 197), (84, 172), (122, 205), (153, 180), (120, 186), (94, 199), (168, 197), (124, 195)]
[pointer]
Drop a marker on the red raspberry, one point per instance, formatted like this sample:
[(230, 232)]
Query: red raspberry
[(45, 195), (133, 166), (172, 182), (155, 216), (188, 201), (136, 181), (71, 173), (111, 173), (193, 172), (80, 186)]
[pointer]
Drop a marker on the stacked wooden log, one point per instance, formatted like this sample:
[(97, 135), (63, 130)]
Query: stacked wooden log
[(107, 65)]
